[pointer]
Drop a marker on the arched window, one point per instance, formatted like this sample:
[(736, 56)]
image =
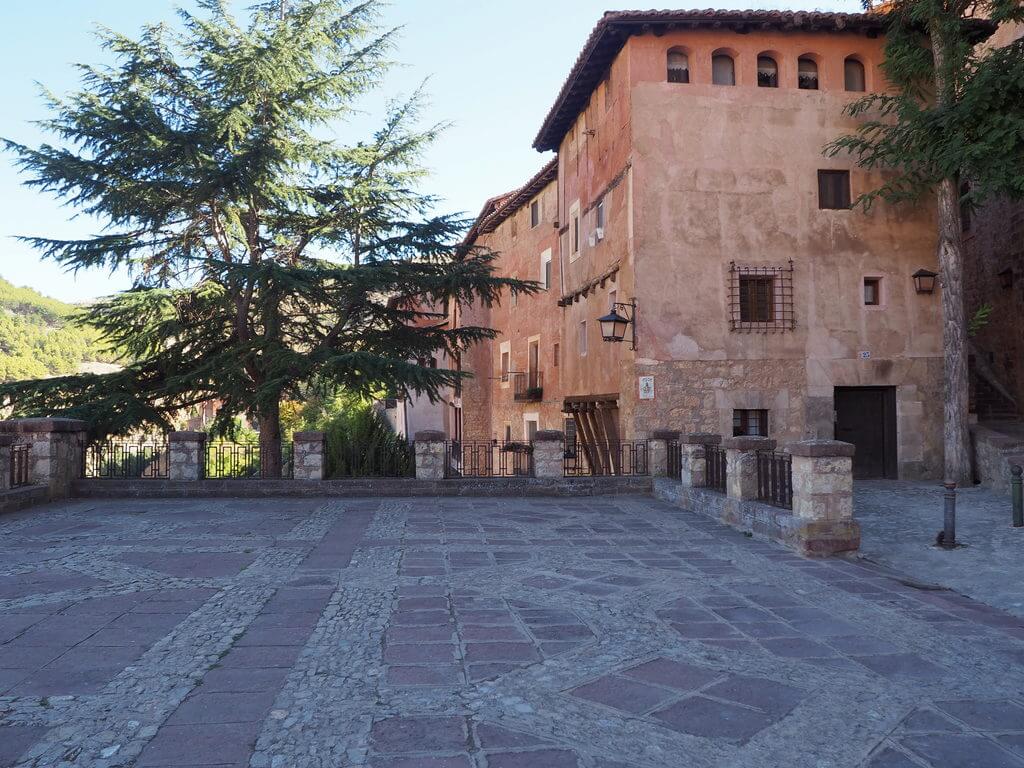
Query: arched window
[(853, 73), (678, 66), (807, 73), (767, 72), (723, 69)]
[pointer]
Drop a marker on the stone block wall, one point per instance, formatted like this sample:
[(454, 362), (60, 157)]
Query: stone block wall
[(310, 452), (430, 459), (187, 453), (57, 451), (549, 453)]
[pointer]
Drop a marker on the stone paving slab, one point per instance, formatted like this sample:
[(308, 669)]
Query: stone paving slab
[(900, 519), (613, 632)]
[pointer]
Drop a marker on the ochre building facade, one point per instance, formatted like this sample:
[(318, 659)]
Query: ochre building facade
[(690, 178)]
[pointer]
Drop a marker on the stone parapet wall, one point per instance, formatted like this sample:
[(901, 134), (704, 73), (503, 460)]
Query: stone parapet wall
[(57, 451), (811, 538), (186, 452), (360, 488), (994, 454), (430, 458)]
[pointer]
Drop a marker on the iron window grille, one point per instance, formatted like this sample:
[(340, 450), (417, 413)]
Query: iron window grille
[(761, 298)]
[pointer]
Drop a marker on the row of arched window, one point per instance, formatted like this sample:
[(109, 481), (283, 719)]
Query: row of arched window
[(723, 70)]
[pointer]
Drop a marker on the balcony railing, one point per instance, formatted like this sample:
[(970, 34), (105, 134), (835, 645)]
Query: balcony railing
[(528, 387), (623, 458), (20, 454), (240, 461), (715, 476), (127, 460), (775, 479), (488, 458)]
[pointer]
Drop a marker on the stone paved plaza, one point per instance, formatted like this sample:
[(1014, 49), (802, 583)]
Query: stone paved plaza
[(458, 633)]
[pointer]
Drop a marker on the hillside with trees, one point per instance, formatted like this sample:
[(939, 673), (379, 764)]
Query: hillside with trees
[(39, 336)]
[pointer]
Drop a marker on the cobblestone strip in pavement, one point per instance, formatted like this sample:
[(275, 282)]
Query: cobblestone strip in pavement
[(321, 718), (112, 727)]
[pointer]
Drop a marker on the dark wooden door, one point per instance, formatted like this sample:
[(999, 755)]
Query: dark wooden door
[(866, 417)]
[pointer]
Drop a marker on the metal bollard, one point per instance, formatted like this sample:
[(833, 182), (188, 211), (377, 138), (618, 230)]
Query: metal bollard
[(1017, 494), (948, 540)]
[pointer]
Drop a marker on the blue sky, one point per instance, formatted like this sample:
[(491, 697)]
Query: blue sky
[(494, 69)]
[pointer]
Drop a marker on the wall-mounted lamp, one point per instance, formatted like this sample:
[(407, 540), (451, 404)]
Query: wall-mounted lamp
[(924, 281), (614, 325)]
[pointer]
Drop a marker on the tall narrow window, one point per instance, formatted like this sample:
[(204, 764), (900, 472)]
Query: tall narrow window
[(853, 73), (767, 72), (723, 69), (545, 269), (678, 66), (556, 352), (872, 291), (757, 299), (583, 338), (534, 213), (574, 231), (807, 73), (599, 215), (833, 189), (505, 355)]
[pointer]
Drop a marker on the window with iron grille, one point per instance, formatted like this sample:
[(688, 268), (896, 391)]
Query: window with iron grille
[(761, 298), (749, 422)]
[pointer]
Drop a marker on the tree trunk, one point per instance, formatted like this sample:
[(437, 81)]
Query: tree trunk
[(270, 441), (956, 435)]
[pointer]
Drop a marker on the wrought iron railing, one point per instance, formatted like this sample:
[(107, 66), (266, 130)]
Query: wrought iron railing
[(126, 460), (775, 478), (714, 456), (528, 387), (240, 461), (396, 460), (675, 459), (20, 456), (488, 458), (622, 458)]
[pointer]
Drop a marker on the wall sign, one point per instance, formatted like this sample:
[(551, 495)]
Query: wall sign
[(865, 355), (646, 387)]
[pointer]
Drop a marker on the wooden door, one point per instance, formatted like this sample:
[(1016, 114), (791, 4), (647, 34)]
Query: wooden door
[(866, 417)]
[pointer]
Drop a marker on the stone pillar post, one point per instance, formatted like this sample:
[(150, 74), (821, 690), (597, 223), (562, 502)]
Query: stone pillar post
[(57, 449), (430, 455), (549, 454), (187, 456), (658, 447), (823, 496), (693, 465), (6, 443), (309, 455), (741, 465)]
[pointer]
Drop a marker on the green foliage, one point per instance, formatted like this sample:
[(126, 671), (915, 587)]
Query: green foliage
[(40, 336), (981, 318), (264, 255), (959, 116), (361, 443)]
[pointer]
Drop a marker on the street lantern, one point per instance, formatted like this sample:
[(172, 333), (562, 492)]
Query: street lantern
[(924, 281), (614, 325)]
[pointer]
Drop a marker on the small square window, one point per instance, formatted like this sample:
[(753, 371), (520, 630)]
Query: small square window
[(534, 213), (747, 422), (833, 190), (872, 291)]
